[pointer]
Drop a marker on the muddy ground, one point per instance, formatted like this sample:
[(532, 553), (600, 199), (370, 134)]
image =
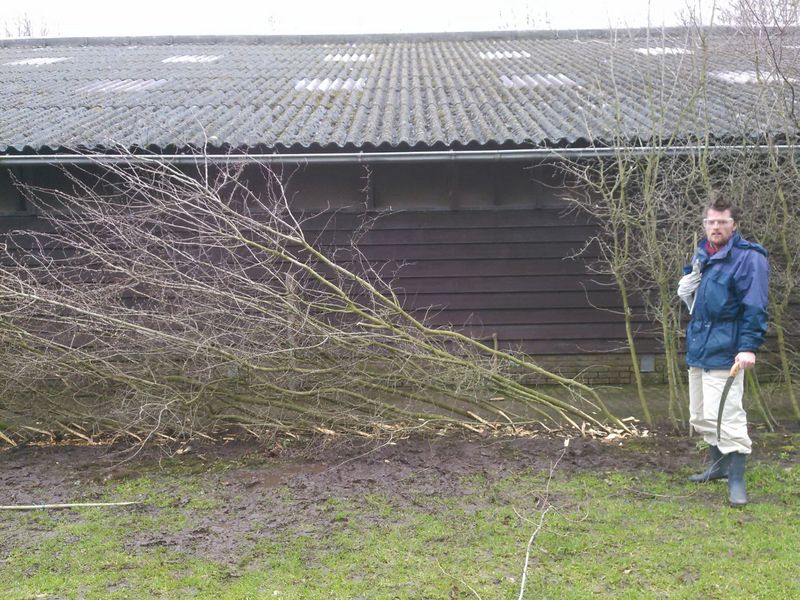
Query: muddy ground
[(258, 489)]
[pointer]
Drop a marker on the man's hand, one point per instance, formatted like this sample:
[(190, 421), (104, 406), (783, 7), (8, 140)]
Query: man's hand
[(746, 360), (688, 285)]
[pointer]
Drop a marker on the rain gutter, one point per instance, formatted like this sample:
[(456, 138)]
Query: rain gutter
[(518, 155)]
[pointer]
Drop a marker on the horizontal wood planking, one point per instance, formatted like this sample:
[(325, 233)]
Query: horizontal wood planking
[(442, 219), (504, 272), (481, 267), (520, 317), (497, 284), (438, 235), (597, 346), (520, 300), (466, 251), (505, 275), (556, 331)]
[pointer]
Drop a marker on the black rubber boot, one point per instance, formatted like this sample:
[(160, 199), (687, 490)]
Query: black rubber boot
[(717, 467), (737, 494)]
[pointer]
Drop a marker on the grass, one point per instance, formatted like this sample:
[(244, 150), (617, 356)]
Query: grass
[(609, 534)]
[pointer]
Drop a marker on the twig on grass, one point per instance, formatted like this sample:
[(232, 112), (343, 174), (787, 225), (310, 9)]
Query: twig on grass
[(68, 505), (546, 508), (461, 581), (648, 494), (528, 549), (389, 442)]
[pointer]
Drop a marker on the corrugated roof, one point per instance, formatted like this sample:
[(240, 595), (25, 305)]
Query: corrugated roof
[(500, 90)]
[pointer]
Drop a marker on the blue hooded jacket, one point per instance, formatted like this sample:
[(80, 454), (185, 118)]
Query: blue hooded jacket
[(730, 308)]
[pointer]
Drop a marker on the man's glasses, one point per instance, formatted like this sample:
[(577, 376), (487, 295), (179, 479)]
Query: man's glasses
[(717, 222)]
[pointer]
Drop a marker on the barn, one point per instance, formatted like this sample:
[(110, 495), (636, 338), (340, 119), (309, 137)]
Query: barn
[(456, 142)]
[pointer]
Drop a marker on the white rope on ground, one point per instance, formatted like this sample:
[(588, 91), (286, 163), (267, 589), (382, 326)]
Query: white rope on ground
[(69, 505)]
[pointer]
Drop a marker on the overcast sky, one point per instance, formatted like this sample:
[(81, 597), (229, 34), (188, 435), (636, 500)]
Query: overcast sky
[(67, 18)]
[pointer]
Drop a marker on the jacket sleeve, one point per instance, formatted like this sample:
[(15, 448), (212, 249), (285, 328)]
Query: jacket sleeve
[(752, 283)]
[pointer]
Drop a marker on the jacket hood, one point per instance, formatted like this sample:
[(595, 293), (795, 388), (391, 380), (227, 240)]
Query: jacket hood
[(739, 242)]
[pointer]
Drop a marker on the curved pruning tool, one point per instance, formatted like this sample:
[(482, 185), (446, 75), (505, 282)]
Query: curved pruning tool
[(725, 390)]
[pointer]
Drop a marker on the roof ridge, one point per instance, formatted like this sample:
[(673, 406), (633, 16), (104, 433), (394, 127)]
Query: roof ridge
[(169, 40)]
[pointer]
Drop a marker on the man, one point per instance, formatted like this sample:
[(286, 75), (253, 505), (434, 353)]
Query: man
[(726, 292)]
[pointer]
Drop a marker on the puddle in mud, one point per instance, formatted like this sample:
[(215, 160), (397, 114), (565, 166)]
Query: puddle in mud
[(271, 476)]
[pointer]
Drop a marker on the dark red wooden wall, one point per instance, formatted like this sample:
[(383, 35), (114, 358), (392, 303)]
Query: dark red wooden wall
[(489, 248)]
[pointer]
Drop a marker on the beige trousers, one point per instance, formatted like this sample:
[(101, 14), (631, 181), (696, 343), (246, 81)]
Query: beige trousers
[(705, 392)]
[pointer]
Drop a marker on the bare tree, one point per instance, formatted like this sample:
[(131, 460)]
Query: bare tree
[(655, 197), (23, 26), (769, 31), (641, 199)]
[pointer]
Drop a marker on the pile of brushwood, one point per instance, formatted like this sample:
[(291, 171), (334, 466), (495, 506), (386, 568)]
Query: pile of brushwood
[(157, 300)]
